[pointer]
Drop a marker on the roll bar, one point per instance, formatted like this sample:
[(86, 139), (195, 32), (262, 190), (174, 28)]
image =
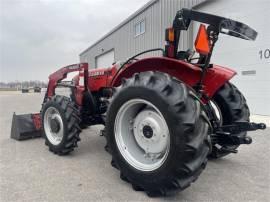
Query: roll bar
[(218, 24)]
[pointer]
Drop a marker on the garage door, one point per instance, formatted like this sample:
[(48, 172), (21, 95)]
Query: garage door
[(251, 59), (105, 60)]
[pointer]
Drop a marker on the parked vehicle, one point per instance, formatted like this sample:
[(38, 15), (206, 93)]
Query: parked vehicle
[(163, 116), (25, 90), (37, 89)]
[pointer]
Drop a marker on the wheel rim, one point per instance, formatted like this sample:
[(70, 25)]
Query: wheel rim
[(53, 126), (142, 135), (219, 116), (217, 112)]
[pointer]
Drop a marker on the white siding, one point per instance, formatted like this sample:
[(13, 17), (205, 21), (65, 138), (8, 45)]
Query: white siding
[(158, 15), (243, 55), (105, 60)]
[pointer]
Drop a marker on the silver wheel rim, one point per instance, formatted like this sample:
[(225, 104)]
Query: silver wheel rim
[(55, 138), (142, 135), (217, 112)]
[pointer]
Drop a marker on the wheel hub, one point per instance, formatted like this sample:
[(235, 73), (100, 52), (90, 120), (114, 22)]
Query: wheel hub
[(55, 125), (142, 136), (147, 131), (150, 132)]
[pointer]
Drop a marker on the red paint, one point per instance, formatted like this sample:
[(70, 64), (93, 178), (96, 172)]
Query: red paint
[(62, 74), (37, 121), (188, 73), (79, 95), (97, 79)]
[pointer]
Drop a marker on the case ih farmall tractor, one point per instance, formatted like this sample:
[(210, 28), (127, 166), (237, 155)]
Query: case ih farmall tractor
[(163, 116)]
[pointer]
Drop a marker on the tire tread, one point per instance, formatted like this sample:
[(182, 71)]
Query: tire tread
[(71, 114), (192, 160)]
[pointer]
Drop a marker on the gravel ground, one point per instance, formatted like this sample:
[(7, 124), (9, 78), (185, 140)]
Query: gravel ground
[(29, 172)]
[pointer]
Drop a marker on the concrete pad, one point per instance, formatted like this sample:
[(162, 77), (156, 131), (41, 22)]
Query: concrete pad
[(29, 172), (260, 119)]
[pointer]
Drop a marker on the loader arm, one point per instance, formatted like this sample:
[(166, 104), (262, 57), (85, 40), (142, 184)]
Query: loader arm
[(56, 77)]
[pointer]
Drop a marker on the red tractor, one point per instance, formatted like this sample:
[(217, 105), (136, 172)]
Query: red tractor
[(163, 116)]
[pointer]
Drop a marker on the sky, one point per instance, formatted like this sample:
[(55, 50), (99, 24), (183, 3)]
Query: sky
[(37, 37)]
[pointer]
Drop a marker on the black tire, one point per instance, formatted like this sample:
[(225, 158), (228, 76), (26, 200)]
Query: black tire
[(188, 127), (233, 108), (70, 117)]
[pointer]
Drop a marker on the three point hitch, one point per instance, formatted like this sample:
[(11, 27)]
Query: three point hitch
[(231, 134)]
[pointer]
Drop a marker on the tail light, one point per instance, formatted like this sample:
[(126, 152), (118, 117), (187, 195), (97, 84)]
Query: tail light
[(170, 39), (170, 35)]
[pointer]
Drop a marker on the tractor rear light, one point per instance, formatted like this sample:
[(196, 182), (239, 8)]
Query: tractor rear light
[(202, 43), (170, 35), (170, 38)]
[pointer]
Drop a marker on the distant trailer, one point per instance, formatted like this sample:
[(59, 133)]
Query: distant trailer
[(37, 89), (25, 90)]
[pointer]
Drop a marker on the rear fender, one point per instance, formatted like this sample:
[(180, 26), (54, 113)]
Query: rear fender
[(190, 74)]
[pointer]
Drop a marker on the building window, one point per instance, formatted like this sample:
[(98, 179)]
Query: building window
[(139, 28)]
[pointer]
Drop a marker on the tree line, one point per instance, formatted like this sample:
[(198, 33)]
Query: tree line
[(23, 84)]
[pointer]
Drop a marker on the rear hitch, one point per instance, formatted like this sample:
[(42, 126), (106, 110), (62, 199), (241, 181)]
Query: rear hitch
[(239, 127), (229, 134), (224, 138)]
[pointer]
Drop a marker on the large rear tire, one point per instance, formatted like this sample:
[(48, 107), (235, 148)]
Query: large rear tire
[(60, 121), (233, 108), (157, 133)]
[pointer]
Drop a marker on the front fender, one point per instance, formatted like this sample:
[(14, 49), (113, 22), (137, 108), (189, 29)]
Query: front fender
[(190, 74)]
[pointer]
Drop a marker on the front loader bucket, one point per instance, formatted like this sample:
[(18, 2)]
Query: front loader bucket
[(25, 126)]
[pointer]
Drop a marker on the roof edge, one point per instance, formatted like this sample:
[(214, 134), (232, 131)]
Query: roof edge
[(139, 11), (203, 3)]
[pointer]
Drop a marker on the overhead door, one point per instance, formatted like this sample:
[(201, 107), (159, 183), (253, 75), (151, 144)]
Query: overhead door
[(105, 60), (251, 59)]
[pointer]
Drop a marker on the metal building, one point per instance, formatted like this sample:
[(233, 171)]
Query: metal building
[(145, 30), (251, 59)]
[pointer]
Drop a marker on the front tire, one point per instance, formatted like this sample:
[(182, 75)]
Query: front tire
[(60, 121), (157, 133)]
